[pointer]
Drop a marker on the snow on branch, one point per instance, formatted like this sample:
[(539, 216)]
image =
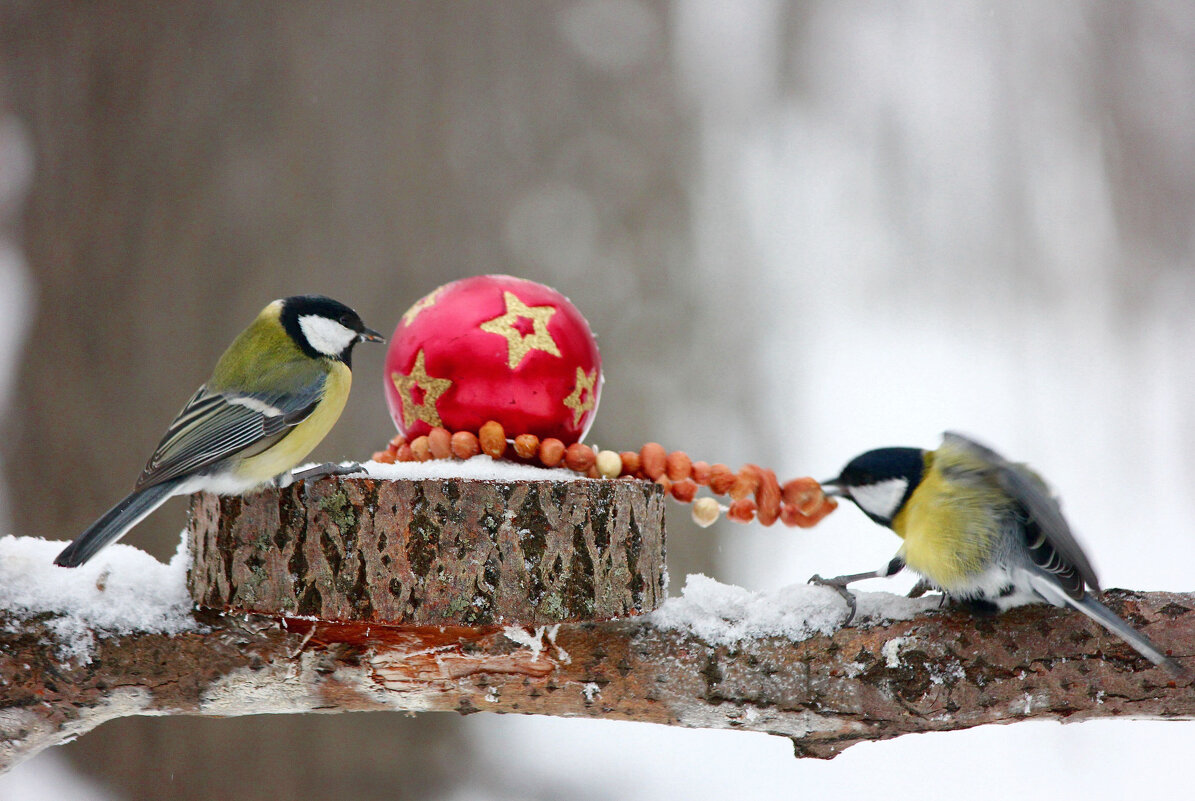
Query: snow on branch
[(81, 647)]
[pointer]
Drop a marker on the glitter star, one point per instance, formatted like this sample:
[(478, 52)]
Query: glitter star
[(518, 345), (426, 302), (432, 389), (584, 387)]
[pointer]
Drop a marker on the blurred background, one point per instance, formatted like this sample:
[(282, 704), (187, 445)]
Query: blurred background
[(800, 229)]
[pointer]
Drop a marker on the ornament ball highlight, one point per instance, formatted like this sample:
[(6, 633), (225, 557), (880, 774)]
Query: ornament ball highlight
[(494, 347)]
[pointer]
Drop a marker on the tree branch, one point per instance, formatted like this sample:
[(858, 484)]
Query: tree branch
[(398, 556), (940, 671)]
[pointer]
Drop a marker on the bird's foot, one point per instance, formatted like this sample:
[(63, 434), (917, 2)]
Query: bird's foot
[(838, 584), (920, 588)]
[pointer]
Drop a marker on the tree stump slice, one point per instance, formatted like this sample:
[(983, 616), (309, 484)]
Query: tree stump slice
[(432, 552)]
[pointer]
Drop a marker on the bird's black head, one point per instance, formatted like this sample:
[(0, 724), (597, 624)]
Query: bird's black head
[(880, 481), (323, 327)]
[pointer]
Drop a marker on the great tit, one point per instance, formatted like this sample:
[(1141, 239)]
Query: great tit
[(983, 530), (274, 394)]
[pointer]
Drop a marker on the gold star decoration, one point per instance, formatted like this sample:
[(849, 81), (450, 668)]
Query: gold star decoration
[(432, 389), (518, 345), (584, 387), (426, 302)]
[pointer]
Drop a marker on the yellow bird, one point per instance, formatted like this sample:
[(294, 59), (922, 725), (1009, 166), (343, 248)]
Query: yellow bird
[(272, 397), (979, 528)]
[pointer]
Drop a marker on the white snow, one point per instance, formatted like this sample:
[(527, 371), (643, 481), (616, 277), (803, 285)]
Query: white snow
[(891, 651), (724, 614), (531, 640), (535, 640), (480, 467), (121, 591)]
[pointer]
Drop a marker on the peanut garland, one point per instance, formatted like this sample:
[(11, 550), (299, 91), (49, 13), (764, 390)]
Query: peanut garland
[(754, 491)]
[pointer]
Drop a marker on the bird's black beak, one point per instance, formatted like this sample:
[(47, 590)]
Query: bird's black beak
[(835, 488), (369, 335)]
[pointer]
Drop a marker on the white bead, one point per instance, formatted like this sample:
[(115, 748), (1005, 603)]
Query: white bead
[(706, 511)]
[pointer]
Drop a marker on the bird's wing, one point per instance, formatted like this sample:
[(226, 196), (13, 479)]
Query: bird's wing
[(1051, 544), (216, 425)]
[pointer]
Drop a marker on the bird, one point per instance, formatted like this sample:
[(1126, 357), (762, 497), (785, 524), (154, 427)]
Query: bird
[(271, 398), (984, 531)]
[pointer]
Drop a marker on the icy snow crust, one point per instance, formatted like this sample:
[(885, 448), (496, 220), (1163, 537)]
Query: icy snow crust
[(121, 591), (723, 614), (479, 467)]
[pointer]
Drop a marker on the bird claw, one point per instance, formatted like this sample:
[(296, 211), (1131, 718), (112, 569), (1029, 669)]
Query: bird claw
[(920, 588), (839, 586)]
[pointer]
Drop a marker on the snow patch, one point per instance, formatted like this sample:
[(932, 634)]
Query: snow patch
[(891, 651), (1033, 701), (949, 674), (479, 467), (535, 640), (121, 591), (723, 614)]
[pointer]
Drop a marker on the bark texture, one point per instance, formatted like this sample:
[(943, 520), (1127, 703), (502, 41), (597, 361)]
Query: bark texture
[(433, 552), (944, 670)]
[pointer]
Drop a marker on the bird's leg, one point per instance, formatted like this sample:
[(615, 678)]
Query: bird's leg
[(839, 583), (920, 588), (326, 469)]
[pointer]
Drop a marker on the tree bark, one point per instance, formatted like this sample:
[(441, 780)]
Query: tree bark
[(943, 670), (438, 552)]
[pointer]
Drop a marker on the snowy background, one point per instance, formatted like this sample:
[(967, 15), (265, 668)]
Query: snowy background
[(801, 230)]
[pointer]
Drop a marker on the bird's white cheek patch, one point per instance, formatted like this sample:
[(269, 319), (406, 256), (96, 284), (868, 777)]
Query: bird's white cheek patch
[(881, 498), (327, 336)]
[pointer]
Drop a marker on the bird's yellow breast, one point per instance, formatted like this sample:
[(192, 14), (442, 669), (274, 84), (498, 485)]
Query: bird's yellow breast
[(302, 439), (949, 529)]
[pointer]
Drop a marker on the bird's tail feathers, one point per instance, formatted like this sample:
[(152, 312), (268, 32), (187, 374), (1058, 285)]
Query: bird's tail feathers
[(1101, 614), (116, 522)]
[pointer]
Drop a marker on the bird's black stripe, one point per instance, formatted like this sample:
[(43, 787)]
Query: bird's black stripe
[(1045, 556)]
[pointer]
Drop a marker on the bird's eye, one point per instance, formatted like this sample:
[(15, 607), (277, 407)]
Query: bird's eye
[(346, 320)]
